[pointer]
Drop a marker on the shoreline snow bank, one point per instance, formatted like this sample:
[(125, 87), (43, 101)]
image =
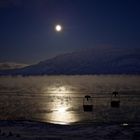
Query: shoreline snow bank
[(31, 130)]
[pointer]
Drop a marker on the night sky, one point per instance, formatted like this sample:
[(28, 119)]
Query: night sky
[(27, 32)]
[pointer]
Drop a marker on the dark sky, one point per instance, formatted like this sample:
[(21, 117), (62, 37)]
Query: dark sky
[(27, 32)]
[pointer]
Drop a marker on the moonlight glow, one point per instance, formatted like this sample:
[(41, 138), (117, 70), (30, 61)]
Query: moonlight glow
[(58, 28)]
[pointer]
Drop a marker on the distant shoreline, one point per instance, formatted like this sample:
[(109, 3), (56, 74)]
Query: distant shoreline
[(20, 75)]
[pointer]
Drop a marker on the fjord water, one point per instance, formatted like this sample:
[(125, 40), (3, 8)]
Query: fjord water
[(59, 99)]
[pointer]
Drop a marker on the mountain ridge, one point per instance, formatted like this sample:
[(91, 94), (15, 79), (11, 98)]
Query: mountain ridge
[(97, 60)]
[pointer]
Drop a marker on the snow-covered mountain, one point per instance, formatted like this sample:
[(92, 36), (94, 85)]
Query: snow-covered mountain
[(98, 60)]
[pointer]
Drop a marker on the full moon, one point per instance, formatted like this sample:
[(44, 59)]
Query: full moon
[(58, 28)]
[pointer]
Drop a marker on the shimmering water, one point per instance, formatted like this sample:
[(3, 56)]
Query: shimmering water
[(59, 99)]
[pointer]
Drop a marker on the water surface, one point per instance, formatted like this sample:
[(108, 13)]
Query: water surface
[(59, 99)]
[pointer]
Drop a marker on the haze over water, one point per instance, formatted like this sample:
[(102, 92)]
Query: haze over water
[(59, 99)]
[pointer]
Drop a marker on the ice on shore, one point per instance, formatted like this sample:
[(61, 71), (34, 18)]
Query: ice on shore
[(30, 130)]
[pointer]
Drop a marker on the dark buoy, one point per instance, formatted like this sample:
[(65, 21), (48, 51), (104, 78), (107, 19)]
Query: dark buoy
[(87, 104), (115, 100)]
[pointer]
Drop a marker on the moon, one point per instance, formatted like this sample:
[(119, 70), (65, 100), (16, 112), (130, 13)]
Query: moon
[(58, 28)]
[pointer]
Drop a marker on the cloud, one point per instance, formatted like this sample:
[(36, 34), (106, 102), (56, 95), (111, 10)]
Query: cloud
[(11, 65)]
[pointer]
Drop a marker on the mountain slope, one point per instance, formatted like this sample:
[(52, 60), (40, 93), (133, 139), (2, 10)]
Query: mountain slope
[(98, 60)]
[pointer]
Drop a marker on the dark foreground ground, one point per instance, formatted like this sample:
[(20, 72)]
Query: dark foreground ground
[(31, 130)]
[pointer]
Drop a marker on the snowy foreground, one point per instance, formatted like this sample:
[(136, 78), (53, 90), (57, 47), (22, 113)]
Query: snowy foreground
[(30, 130)]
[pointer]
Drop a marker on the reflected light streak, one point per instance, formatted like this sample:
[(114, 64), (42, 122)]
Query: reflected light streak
[(62, 109), (59, 90), (60, 113), (62, 116)]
